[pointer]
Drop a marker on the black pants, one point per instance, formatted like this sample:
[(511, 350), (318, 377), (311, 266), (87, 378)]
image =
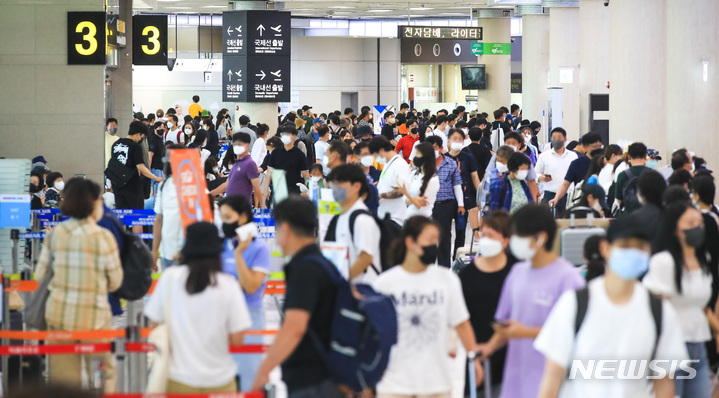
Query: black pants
[(444, 213)]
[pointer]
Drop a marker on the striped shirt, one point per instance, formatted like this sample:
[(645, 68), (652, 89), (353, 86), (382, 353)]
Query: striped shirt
[(86, 265), (449, 176)]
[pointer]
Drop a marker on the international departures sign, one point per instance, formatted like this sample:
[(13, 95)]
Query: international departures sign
[(256, 56)]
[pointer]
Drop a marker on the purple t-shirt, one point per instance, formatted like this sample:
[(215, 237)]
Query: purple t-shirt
[(528, 296), (239, 181)]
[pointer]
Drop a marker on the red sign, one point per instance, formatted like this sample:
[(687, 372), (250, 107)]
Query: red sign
[(189, 177)]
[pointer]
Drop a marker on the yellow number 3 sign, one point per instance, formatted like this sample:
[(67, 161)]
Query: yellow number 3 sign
[(149, 38), (86, 38)]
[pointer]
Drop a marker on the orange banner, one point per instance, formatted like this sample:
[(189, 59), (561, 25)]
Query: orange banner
[(189, 176)]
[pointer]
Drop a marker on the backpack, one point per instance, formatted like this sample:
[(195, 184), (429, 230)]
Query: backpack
[(362, 334), (655, 305), (389, 231), (310, 146), (576, 196), (630, 202), (136, 261)]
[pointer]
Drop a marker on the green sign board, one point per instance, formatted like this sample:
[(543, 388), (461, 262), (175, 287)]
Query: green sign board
[(491, 48)]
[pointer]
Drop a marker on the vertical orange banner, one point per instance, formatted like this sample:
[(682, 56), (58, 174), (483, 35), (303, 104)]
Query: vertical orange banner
[(189, 177)]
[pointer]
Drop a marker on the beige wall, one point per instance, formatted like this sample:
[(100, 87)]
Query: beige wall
[(535, 65), (563, 53), (48, 107), (594, 55), (498, 67)]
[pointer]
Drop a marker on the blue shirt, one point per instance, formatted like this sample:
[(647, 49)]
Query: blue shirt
[(257, 258), (372, 201), (449, 176), (578, 169)]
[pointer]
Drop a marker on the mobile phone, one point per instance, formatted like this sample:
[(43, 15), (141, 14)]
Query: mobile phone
[(549, 176), (500, 324), (246, 231)]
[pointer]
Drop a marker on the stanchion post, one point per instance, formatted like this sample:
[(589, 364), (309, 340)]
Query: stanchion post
[(5, 326), (120, 365), (15, 237), (34, 243), (132, 358)]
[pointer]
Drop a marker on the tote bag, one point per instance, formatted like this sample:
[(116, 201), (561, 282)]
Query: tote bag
[(160, 338), (35, 309)]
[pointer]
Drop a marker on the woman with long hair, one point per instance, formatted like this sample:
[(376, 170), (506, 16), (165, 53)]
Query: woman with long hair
[(189, 130), (259, 148), (679, 273), (429, 304), (207, 313), (421, 191), (199, 142)]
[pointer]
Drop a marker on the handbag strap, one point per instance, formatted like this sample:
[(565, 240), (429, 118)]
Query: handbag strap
[(168, 293)]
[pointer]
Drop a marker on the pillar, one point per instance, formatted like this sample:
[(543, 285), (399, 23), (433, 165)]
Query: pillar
[(692, 32), (637, 67), (259, 112), (564, 53), (593, 55), (121, 77), (535, 65), (48, 107), (496, 29)]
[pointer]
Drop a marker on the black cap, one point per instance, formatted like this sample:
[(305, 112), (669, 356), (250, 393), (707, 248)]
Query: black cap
[(137, 127), (524, 122), (597, 192), (306, 107), (139, 115), (202, 239), (535, 125), (628, 227), (481, 121), (363, 131)]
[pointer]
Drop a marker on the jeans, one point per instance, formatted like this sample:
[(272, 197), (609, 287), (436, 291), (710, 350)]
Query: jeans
[(444, 213), (155, 184), (166, 263), (561, 204), (699, 386), (247, 364), (325, 389)]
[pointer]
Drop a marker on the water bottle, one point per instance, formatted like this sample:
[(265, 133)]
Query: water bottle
[(314, 191)]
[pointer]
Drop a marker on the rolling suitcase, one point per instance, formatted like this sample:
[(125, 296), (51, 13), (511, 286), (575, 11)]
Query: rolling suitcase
[(473, 377), (572, 239), (464, 256)]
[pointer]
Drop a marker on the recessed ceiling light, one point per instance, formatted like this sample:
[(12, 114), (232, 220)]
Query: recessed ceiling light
[(379, 10), (342, 7), (452, 13), (421, 8), (179, 8)]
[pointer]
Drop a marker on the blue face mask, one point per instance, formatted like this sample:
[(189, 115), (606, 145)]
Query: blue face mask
[(339, 193), (629, 263), (652, 163)]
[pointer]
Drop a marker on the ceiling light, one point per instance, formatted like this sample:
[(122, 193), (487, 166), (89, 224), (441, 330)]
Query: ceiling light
[(423, 8), (379, 10), (179, 8), (453, 13), (342, 7)]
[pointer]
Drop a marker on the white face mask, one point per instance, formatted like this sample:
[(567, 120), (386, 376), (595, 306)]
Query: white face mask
[(456, 146), (367, 160), (188, 131), (693, 168), (315, 178), (521, 247), (522, 174), (501, 167), (514, 147), (436, 154), (381, 160), (597, 206), (60, 185), (216, 169), (286, 139), (239, 149), (487, 247), (170, 125)]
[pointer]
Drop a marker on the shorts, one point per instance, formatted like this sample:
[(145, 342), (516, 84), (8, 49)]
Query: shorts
[(470, 200), (129, 199)]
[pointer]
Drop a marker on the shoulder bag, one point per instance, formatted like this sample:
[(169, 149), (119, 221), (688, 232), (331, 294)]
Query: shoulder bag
[(160, 338), (35, 309)]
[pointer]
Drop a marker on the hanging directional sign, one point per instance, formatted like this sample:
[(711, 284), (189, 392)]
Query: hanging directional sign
[(86, 38), (149, 39), (234, 78), (256, 33), (255, 79)]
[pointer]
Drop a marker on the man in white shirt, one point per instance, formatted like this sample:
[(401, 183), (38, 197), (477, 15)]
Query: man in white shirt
[(442, 124), (321, 145), (174, 134), (552, 167), (617, 321), (167, 231), (393, 178), (355, 228)]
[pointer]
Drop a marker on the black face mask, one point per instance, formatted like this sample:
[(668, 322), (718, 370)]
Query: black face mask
[(694, 237), (418, 161), (429, 255), (34, 188), (229, 229), (366, 139)]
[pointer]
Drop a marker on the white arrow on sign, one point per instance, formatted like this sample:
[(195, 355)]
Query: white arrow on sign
[(277, 74), (261, 75), (261, 29), (229, 75), (277, 28), (229, 30)]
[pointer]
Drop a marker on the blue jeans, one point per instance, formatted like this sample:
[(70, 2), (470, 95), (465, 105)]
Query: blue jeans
[(247, 364), (699, 386), (561, 204), (155, 184), (166, 263)]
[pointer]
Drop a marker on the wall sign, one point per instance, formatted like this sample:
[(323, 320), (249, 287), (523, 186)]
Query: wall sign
[(86, 38), (516, 83), (491, 48), (149, 39), (421, 51), (432, 32)]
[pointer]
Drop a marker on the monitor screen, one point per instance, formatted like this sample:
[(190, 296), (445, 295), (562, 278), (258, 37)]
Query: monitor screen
[(474, 77)]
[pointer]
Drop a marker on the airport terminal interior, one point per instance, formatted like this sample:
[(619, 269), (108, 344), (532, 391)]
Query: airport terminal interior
[(359, 198)]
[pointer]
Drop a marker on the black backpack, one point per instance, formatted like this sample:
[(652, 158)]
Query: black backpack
[(630, 202), (136, 261), (389, 231)]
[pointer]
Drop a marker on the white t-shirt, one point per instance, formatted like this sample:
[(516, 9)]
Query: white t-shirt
[(414, 186), (366, 239), (690, 303), (259, 151), (441, 134), (609, 331), (429, 304), (394, 175), (167, 204), (605, 179), (200, 325), (620, 169), (320, 149), (172, 136), (555, 165)]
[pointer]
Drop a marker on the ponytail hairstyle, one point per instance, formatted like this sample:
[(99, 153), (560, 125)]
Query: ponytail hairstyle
[(413, 228), (429, 168), (596, 264)]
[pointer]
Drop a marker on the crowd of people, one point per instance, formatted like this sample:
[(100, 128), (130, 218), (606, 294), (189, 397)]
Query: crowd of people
[(407, 198)]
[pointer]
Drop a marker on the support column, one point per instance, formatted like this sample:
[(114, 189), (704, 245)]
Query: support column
[(48, 107), (593, 55), (259, 112), (535, 63), (121, 77), (496, 29), (564, 53), (692, 31), (637, 69)]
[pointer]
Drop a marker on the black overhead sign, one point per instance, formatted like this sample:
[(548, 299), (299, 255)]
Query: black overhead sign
[(256, 56), (149, 40), (256, 33), (433, 32), (86, 38)]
